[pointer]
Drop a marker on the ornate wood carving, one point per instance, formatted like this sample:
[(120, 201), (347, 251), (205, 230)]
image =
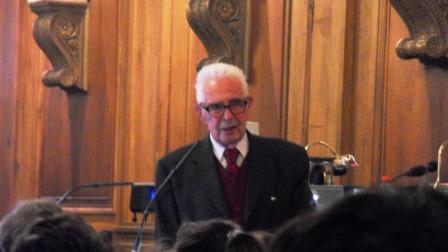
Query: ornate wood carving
[(223, 27), (59, 32), (427, 22)]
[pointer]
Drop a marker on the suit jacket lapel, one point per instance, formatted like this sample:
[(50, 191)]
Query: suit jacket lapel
[(261, 174), (206, 178)]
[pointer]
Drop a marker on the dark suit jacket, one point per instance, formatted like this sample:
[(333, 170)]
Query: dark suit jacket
[(277, 186)]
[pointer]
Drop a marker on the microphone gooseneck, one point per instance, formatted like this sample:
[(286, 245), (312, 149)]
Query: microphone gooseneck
[(441, 151), (92, 185), (415, 171), (138, 239)]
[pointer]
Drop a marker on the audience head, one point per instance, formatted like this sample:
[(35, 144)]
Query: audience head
[(14, 222), (40, 225), (211, 236), (387, 221), (223, 102), (248, 242), (59, 232), (216, 236)]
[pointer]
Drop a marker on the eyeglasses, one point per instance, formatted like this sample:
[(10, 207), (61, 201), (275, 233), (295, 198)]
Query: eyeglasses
[(236, 106)]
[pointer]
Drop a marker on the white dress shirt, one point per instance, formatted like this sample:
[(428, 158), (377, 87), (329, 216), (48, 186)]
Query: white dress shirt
[(242, 146)]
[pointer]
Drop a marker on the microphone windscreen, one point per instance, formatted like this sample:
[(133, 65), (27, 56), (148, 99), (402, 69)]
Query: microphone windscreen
[(339, 170), (416, 171), (317, 174), (431, 166)]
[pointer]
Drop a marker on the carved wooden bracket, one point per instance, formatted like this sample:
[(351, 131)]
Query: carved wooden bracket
[(59, 32), (223, 27), (427, 22)]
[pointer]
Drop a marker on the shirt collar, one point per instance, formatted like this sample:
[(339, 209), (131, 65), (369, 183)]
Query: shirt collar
[(242, 146)]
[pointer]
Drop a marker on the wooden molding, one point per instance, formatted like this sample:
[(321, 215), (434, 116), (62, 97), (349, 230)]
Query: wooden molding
[(223, 27), (427, 22), (59, 32), (124, 237)]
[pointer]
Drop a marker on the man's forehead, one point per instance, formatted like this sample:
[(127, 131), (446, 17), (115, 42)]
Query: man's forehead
[(222, 81)]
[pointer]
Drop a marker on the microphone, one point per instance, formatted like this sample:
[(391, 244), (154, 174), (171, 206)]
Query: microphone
[(339, 170), (93, 185), (317, 174), (346, 160), (431, 166), (138, 239), (415, 171), (440, 153)]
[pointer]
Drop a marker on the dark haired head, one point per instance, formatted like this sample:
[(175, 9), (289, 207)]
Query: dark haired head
[(14, 222), (218, 236), (387, 221), (59, 232), (248, 242), (207, 236)]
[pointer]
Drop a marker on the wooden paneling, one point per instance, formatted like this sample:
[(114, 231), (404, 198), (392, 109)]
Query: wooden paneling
[(9, 37), (348, 88), (29, 116), (415, 121), (138, 122), (180, 92), (79, 128), (370, 28), (320, 54), (267, 65), (299, 64), (327, 71), (321, 70)]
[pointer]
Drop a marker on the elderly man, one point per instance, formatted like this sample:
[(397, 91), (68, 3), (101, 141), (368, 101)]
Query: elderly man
[(257, 182)]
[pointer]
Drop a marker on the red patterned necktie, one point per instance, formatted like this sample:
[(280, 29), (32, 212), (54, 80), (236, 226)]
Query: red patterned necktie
[(231, 156)]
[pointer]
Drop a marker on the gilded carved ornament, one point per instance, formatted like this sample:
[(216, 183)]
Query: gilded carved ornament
[(427, 22), (223, 27), (59, 32)]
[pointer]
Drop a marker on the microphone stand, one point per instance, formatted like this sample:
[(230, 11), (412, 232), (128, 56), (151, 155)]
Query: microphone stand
[(93, 185), (346, 161), (439, 162), (138, 239)]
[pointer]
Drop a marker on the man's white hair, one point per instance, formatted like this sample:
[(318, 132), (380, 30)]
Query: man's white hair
[(215, 71)]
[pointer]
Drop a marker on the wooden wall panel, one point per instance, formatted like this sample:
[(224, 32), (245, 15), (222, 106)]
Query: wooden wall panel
[(56, 147), (138, 122), (368, 84), (320, 54), (79, 128), (299, 64), (326, 83), (321, 70), (9, 38), (267, 65), (360, 98), (181, 83), (29, 117), (415, 123), (195, 128)]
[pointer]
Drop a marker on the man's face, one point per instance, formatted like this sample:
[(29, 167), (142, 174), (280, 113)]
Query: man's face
[(228, 128)]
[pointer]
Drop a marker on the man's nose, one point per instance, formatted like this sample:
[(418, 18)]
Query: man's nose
[(227, 113)]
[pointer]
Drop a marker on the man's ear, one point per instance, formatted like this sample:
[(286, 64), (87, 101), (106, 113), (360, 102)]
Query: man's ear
[(199, 112), (250, 100), (197, 108)]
